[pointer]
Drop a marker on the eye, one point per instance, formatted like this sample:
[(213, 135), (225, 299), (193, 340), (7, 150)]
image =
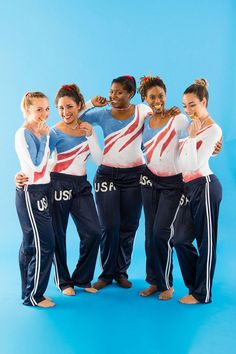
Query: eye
[(48, 109)]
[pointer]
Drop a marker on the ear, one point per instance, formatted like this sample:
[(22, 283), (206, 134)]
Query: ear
[(131, 95), (79, 105), (204, 101)]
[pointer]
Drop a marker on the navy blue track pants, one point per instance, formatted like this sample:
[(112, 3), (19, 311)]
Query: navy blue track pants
[(119, 203), (204, 195), (161, 197), (72, 196), (37, 248)]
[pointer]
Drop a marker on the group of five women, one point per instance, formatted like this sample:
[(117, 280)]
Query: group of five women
[(152, 156)]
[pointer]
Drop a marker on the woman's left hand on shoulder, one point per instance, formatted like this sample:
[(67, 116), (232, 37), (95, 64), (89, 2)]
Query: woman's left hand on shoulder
[(86, 128), (172, 112)]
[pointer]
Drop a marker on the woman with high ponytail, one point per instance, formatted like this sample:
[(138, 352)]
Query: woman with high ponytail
[(204, 193)]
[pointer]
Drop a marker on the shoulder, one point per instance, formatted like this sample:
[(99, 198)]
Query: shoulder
[(23, 133), (215, 129), (182, 118), (181, 121), (143, 107)]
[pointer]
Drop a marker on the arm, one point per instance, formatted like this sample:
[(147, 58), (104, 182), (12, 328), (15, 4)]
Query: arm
[(32, 158), (97, 101), (197, 150), (94, 147)]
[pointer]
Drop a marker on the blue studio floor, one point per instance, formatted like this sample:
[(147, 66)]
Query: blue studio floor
[(116, 320)]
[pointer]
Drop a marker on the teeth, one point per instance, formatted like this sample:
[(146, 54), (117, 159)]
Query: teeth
[(158, 106)]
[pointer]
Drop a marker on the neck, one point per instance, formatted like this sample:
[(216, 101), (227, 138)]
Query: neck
[(158, 115), (122, 108), (32, 126), (72, 125), (204, 117)]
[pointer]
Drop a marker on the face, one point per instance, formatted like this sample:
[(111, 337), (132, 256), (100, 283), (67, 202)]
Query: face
[(38, 111), (193, 107), (156, 99), (119, 97), (68, 109)]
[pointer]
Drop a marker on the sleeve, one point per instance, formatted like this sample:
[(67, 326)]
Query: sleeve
[(88, 106), (182, 123), (197, 151), (93, 117), (145, 110), (31, 156), (52, 140), (95, 149)]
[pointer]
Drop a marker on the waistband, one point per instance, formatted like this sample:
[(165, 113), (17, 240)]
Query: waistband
[(202, 180), (164, 179), (67, 177), (116, 170), (37, 187)]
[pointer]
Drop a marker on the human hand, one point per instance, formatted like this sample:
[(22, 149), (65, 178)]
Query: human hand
[(20, 179), (99, 101), (43, 129), (86, 128), (173, 111), (218, 147), (194, 128)]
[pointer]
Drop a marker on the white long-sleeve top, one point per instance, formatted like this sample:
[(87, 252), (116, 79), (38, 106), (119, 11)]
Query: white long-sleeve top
[(70, 153), (33, 154), (161, 145), (195, 152)]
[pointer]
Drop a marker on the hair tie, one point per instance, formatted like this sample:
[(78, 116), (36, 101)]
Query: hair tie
[(129, 77), (66, 87), (27, 94)]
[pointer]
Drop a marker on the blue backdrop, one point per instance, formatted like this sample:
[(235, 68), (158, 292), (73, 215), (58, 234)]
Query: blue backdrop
[(49, 43)]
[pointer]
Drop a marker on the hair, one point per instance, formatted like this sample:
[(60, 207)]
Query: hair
[(26, 101), (72, 91), (200, 89), (147, 82), (128, 82)]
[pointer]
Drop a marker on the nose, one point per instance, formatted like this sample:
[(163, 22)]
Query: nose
[(113, 96), (157, 101), (45, 114), (65, 111)]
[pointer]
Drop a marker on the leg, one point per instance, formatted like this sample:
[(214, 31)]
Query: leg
[(86, 220), (183, 243), (37, 247), (108, 204), (150, 199), (130, 209), (205, 204), (164, 232), (60, 215)]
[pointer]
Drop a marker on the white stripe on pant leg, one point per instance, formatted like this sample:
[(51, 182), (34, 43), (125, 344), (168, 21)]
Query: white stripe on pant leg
[(37, 247), (209, 240), (56, 273), (169, 258)]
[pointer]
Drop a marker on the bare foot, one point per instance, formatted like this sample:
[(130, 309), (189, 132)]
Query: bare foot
[(68, 291), (167, 294), (149, 291), (46, 303), (189, 300), (91, 290)]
